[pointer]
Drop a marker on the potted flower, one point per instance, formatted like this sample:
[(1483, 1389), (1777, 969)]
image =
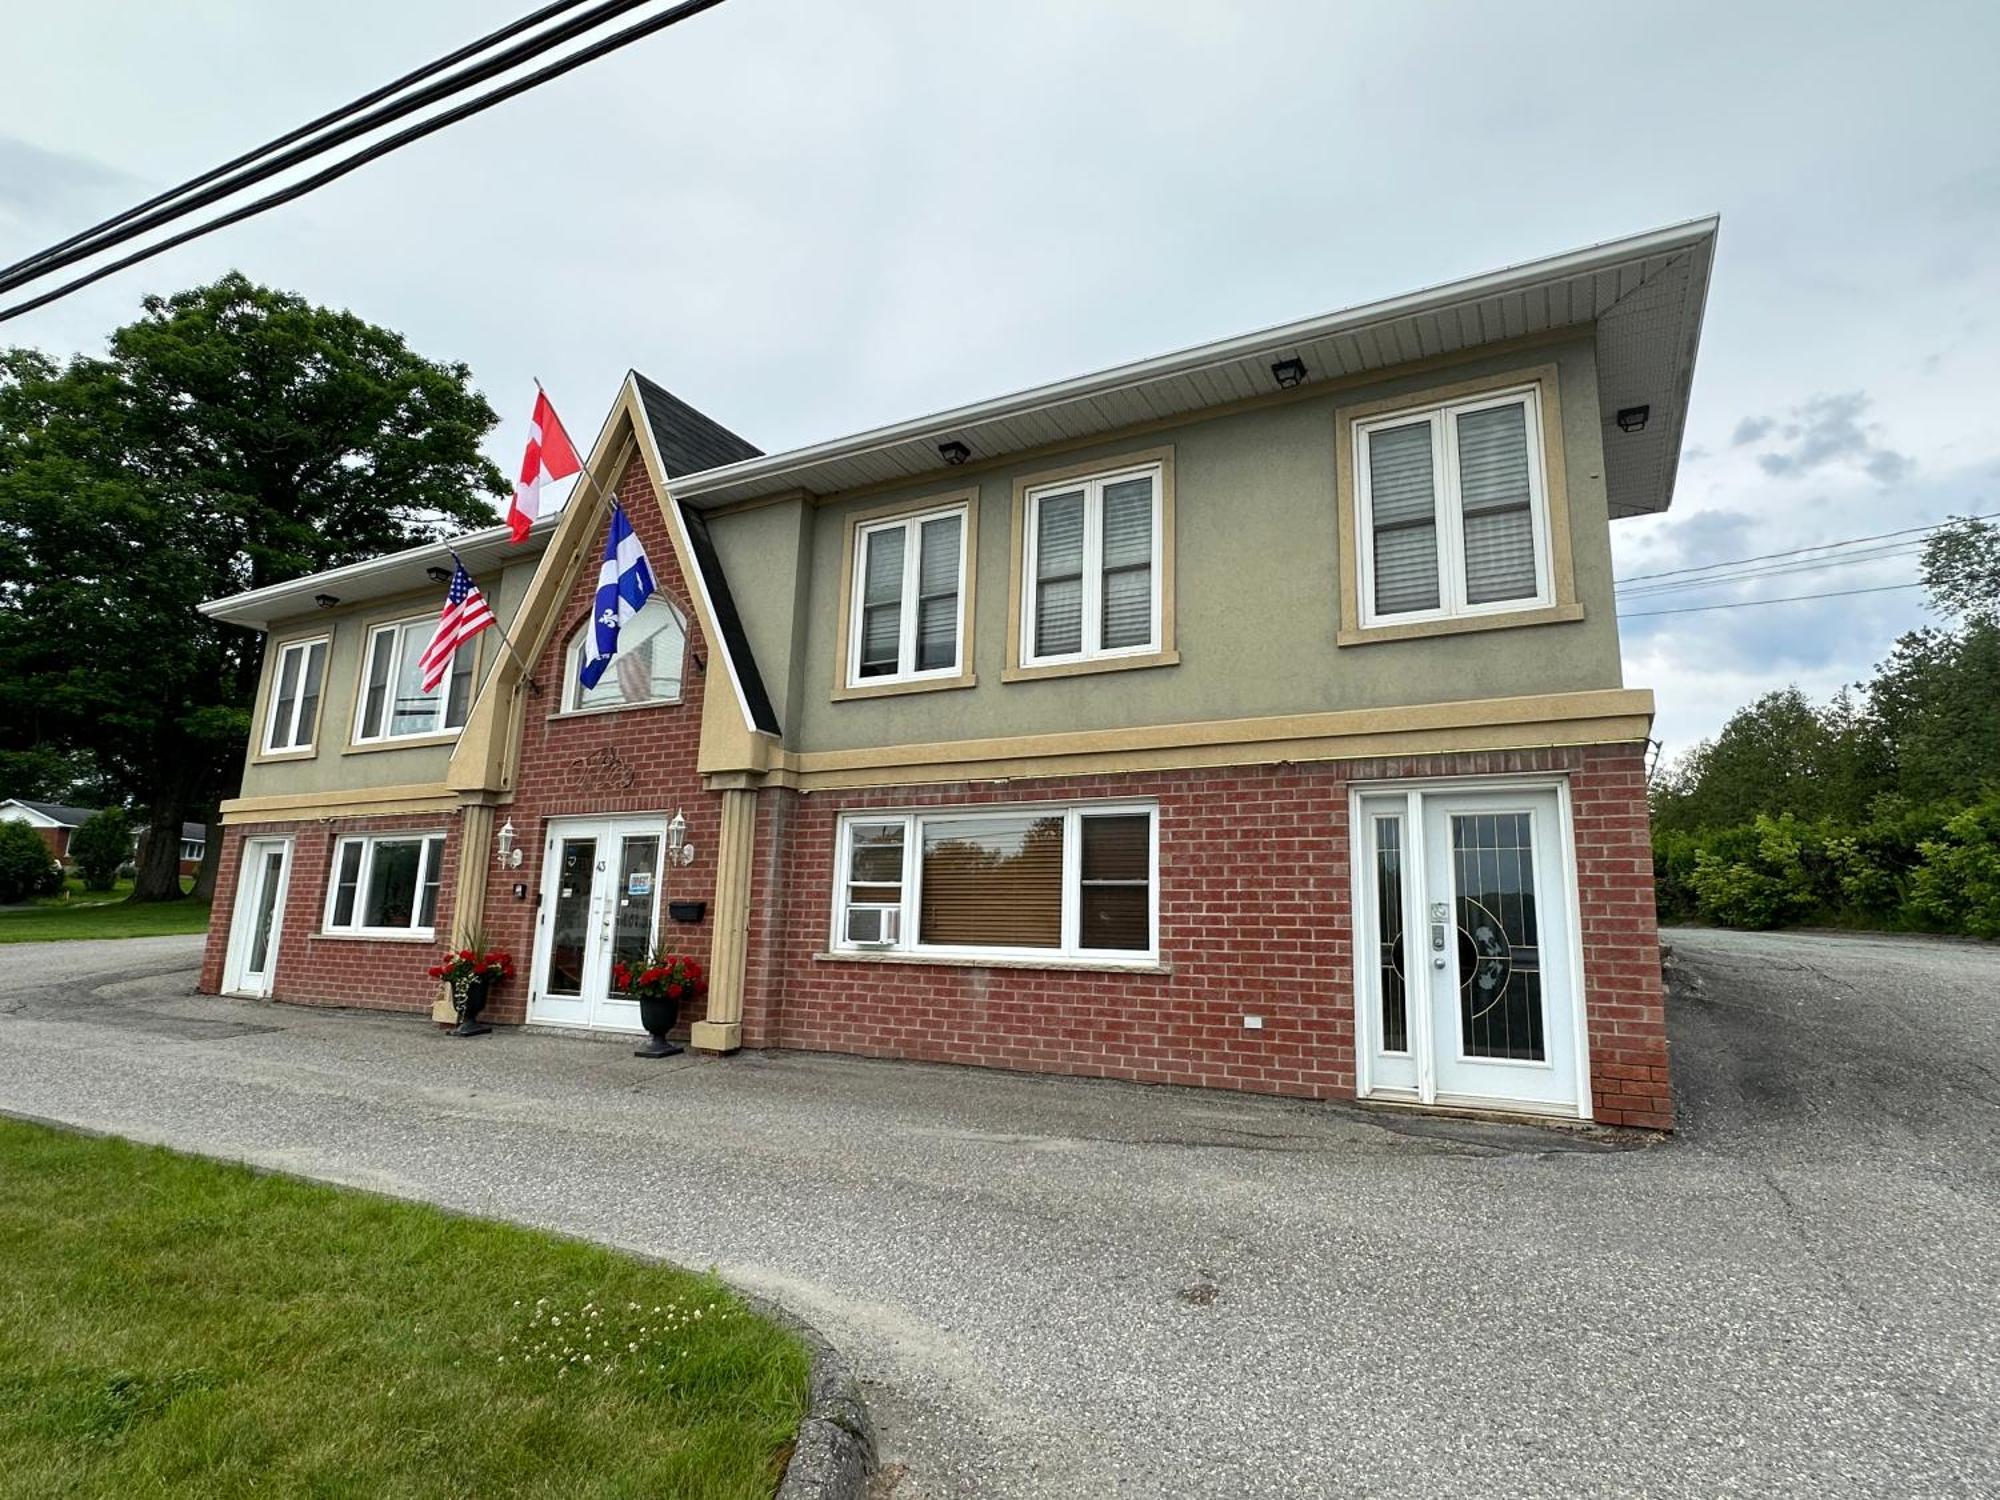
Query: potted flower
[(471, 974), (659, 985)]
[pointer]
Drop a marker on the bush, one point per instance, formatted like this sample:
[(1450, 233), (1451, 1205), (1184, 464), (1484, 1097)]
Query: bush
[(1957, 886), (1764, 875), (26, 867), (100, 846)]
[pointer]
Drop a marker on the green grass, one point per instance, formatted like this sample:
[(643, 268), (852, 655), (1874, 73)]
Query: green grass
[(78, 913), (171, 1326)]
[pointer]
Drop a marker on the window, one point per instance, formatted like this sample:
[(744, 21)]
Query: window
[(190, 850), (294, 719), (394, 704), (1453, 510), (1092, 568), (386, 886), (1076, 883), (906, 622), (652, 646)]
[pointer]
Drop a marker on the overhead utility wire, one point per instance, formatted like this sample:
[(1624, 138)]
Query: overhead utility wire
[(1815, 547), (600, 48), (1690, 609), (1894, 552), (48, 259)]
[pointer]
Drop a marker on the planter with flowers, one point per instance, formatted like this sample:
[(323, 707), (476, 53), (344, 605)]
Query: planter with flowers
[(659, 985), (471, 975)]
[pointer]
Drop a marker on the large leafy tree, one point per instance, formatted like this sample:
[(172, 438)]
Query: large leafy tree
[(233, 437)]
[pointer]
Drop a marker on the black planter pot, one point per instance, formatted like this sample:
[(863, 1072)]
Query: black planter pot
[(658, 1017), (468, 1006)]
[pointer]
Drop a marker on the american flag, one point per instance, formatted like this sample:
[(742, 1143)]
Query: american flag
[(465, 614)]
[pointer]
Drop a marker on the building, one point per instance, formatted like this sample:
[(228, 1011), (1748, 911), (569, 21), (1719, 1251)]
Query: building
[(1248, 717), (55, 822)]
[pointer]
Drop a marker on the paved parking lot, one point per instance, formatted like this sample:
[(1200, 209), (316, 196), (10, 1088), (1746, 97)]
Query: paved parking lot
[(1066, 1288)]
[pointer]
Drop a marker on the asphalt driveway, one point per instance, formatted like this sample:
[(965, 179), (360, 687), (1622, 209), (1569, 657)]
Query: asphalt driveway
[(1077, 1289)]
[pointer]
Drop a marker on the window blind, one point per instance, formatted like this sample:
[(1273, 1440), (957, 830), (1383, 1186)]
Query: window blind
[(937, 593), (1116, 875), (1128, 563), (346, 882), (1402, 505), (288, 691), (1496, 503), (315, 674), (1059, 574), (381, 662), (882, 602), (992, 882)]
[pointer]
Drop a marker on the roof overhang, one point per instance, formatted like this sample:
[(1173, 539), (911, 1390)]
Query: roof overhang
[(1643, 295), (381, 577)]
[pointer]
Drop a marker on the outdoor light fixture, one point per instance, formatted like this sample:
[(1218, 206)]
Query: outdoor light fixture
[(954, 452), (326, 601), (679, 850), (1633, 418), (505, 854), (1288, 372), (438, 575)]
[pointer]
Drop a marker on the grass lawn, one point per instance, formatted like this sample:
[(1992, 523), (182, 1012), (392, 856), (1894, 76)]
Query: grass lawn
[(176, 1326), (78, 913)]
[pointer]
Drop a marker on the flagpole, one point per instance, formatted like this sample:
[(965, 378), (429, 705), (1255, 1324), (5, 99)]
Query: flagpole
[(527, 673)]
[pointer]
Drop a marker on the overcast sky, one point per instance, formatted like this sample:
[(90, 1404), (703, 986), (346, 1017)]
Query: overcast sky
[(807, 218)]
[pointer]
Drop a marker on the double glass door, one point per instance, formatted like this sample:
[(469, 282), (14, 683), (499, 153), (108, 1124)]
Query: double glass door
[(600, 906), (1467, 986)]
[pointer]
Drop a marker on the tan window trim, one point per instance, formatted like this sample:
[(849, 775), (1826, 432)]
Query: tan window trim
[(1014, 670), (274, 650), (1562, 567), (965, 677)]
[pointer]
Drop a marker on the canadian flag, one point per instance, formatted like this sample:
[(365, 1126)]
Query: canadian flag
[(550, 457)]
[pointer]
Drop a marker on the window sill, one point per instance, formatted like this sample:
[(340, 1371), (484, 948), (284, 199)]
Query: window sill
[(1167, 658), (896, 689), (614, 708), (952, 961), (275, 757), (1368, 635), (404, 742), (425, 936)]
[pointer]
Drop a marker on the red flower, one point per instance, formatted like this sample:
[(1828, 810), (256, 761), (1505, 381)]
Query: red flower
[(436, 971), (673, 992)]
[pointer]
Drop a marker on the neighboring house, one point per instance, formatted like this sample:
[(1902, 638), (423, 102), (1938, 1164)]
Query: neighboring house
[(56, 823), (1248, 717)]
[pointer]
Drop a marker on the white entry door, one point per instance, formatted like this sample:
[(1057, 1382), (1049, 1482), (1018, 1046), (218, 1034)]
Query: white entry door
[(600, 904), (1466, 976), (259, 917)]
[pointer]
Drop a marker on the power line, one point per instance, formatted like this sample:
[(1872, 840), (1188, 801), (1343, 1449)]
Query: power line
[(1691, 609), (47, 257), (1894, 551), (1815, 547), (138, 220), (347, 164)]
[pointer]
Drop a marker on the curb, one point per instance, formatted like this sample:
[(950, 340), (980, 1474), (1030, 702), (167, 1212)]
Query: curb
[(834, 1454)]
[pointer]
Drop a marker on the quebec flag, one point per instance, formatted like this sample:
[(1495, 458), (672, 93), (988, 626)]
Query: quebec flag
[(624, 584)]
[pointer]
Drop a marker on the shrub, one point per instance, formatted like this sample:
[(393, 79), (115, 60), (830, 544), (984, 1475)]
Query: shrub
[(101, 846), (26, 866), (1958, 884), (1762, 875)]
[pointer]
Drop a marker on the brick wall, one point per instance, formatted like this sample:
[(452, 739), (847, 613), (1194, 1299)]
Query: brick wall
[(1254, 916)]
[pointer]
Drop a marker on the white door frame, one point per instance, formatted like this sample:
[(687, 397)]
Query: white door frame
[(1362, 938), (596, 1009), (249, 890)]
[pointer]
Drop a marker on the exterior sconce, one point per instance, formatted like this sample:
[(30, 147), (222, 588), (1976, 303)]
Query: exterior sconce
[(1288, 372), (505, 854), (438, 575), (954, 452), (326, 601), (679, 850), (1633, 418)]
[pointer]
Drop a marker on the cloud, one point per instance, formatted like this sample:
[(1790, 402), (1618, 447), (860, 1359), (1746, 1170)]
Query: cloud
[(1827, 430), (35, 181)]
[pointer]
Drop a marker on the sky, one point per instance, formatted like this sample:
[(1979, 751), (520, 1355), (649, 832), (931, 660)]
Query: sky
[(807, 218)]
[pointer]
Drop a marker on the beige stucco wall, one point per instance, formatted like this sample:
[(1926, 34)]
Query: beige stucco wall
[(1256, 582), (336, 764)]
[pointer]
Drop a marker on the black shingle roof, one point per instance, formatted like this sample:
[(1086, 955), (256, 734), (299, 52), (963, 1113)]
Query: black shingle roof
[(688, 441)]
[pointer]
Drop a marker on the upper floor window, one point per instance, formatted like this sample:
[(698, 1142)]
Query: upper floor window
[(652, 648), (294, 714), (386, 885), (1092, 571), (1453, 510), (394, 704), (907, 618)]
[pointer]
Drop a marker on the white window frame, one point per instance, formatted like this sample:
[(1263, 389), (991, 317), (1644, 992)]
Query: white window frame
[(389, 735), (1093, 486), (1070, 954), (1449, 512), (306, 645), (572, 687), (425, 841), (906, 644)]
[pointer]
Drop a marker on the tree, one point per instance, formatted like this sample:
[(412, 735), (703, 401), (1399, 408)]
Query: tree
[(234, 437), (100, 846), (1961, 571), (27, 868)]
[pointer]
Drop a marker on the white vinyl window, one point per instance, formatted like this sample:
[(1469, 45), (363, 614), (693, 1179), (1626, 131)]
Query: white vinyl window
[(1071, 883), (908, 615), (652, 648), (385, 885), (1453, 510), (1091, 571), (295, 691), (394, 704)]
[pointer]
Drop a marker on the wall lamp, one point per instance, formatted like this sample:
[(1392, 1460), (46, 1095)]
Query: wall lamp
[(505, 854), (1288, 372), (1633, 418), (326, 601), (679, 850), (954, 452), (438, 575)]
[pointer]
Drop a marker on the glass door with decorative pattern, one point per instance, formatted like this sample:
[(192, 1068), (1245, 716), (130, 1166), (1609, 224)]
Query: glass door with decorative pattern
[(601, 890), (1466, 978)]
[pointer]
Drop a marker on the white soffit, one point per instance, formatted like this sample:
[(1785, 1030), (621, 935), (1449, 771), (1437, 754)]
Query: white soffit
[(1644, 293)]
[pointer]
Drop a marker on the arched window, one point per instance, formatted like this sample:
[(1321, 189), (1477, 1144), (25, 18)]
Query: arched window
[(652, 646)]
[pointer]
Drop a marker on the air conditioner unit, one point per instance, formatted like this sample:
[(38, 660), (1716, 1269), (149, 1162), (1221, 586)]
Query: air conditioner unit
[(887, 925)]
